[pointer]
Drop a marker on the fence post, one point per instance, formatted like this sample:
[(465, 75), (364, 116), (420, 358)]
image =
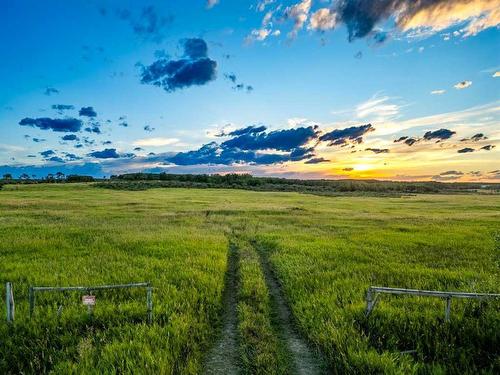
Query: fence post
[(9, 299), (369, 301), (150, 304), (447, 309), (31, 297)]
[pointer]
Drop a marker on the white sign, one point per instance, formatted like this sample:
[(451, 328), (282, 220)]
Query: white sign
[(88, 300)]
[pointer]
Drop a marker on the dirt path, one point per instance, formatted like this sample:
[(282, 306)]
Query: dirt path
[(305, 360), (223, 357)]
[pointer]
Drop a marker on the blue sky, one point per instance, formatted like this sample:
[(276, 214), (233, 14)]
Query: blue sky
[(409, 73)]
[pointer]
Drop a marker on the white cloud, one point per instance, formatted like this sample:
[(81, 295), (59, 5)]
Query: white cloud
[(212, 3), (463, 85), (261, 6), (377, 109), (299, 13), (496, 74), (480, 117), (323, 19), (155, 142), (266, 30), (480, 14), (438, 92)]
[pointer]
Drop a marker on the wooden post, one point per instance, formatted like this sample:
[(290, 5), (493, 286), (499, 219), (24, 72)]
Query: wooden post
[(150, 304), (31, 297), (9, 299), (447, 309)]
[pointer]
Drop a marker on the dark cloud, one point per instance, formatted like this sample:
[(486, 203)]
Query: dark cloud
[(451, 173), (50, 91), (71, 157), (252, 129), (106, 143), (138, 149), (348, 169), (440, 134), (354, 134), (362, 16), (195, 68), (60, 108), (47, 153), (212, 153), (38, 140), (231, 77), (317, 161), (252, 145), (282, 140), (70, 137), (149, 128), (448, 176), (407, 140), (108, 153), (70, 125), (358, 55), (488, 147), (123, 123), (93, 127), (195, 48), (378, 150), (56, 159), (478, 137), (88, 141), (87, 111), (411, 141), (475, 173), (237, 85), (465, 150)]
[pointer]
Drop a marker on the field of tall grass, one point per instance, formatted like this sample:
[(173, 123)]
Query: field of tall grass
[(323, 251)]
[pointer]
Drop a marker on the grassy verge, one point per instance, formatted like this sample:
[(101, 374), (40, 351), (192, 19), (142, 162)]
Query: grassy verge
[(262, 352), (63, 236)]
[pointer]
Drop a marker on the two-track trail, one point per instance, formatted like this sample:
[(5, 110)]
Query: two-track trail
[(223, 358)]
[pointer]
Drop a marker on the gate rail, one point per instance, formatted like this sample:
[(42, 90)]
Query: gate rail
[(374, 292), (90, 289)]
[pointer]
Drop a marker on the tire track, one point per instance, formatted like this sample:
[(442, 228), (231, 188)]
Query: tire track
[(223, 358), (306, 362)]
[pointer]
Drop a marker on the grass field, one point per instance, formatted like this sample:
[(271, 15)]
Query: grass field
[(323, 253)]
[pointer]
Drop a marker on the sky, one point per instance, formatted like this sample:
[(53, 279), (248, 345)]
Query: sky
[(392, 89)]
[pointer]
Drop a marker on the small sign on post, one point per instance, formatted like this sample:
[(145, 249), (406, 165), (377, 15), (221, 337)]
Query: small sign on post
[(89, 301)]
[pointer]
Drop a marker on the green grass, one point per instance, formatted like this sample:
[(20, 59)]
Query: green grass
[(260, 346), (325, 251)]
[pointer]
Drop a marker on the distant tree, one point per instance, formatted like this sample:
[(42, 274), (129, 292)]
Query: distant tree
[(7, 176), (24, 176), (77, 178), (33, 176), (59, 175), (50, 177)]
